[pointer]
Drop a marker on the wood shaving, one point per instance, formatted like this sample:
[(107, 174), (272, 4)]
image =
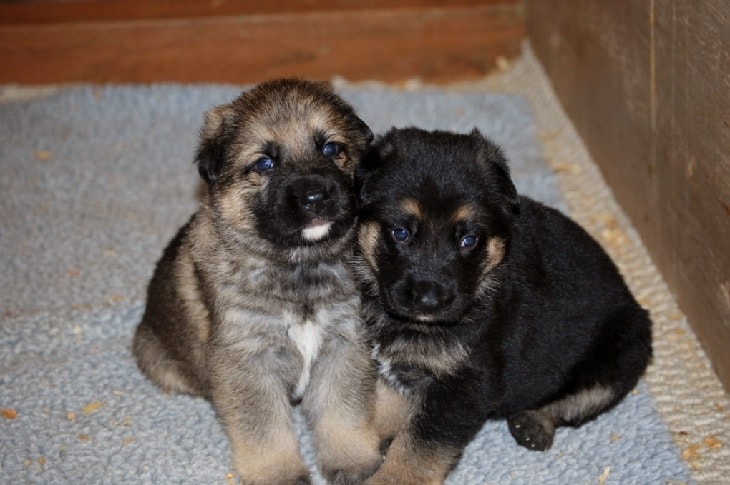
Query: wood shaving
[(712, 443), (71, 416), (91, 407), (692, 452), (9, 413), (604, 476), (42, 155), (502, 63)]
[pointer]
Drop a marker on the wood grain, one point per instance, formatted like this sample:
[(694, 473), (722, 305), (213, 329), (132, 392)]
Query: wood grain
[(647, 85), (73, 11), (460, 40)]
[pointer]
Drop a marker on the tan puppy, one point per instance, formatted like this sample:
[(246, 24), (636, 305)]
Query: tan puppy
[(252, 306)]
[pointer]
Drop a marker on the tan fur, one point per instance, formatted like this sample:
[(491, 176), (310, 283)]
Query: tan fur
[(495, 249), (463, 213), (345, 445), (275, 460), (411, 462), (495, 253), (441, 358), (412, 207), (391, 410), (368, 240), (576, 407), (238, 314)]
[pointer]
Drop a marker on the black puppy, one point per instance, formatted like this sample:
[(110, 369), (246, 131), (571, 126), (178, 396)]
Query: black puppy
[(482, 304)]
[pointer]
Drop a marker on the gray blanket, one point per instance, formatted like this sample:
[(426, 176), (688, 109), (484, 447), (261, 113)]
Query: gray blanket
[(94, 181)]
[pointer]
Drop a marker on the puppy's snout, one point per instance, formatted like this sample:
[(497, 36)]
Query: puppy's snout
[(430, 296), (315, 200), (313, 194)]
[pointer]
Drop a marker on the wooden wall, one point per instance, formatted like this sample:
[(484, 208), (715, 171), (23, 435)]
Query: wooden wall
[(647, 85), (245, 41)]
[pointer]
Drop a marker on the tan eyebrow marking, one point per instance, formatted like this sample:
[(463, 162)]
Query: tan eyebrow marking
[(462, 213), (412, 207)]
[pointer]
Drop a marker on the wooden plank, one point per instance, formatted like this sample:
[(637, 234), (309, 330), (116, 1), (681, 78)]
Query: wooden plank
[(72, 11), (647, 85), (435, 44)]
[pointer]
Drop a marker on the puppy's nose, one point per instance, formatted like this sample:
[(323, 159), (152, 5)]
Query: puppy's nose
[(314, 200), (429, 296)]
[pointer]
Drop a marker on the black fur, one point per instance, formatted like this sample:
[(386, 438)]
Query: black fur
[(538, 328)]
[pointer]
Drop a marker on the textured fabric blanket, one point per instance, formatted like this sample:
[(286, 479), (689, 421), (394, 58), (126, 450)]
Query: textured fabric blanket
[(94, 181)]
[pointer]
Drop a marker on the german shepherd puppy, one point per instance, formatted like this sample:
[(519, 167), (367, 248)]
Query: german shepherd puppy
[(482, 304), (252, 305)]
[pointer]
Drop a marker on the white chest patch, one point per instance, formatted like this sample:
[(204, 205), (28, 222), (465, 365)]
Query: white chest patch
[(308, 338)]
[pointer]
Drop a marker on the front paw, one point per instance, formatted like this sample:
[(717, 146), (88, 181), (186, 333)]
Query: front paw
[(268, 468), (246, 478), (352, 475), (380, 479), (532, 429)]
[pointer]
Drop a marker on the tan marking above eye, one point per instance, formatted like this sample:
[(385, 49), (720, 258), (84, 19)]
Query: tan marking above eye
[(463, 213), (412, 207)]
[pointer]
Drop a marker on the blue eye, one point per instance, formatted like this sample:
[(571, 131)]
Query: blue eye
[(330, 149), (401, 234), (468, 241), (264, 164)]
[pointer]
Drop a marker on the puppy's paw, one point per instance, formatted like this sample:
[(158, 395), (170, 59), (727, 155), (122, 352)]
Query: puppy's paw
[(350, 476), (300, 480), (266, 469), (532, 429)]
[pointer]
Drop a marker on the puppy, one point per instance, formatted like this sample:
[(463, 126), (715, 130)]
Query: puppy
[(252, 305), (482, 304)]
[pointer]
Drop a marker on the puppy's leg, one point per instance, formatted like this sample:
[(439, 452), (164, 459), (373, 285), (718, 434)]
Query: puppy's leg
[(250, 394), (340, 406), (391, 413), (432, 440), (410, 461), (535, 429), (619, 356), (155, 361)]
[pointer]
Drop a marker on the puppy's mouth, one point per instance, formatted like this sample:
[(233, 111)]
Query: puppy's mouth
[(431, 319), (317, 229)]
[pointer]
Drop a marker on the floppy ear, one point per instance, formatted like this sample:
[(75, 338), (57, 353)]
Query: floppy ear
[(493, 160), (215, 137)]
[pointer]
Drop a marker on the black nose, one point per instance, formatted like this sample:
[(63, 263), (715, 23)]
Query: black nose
[(314, 194), (430, 296), (314, 197), (315, 200)]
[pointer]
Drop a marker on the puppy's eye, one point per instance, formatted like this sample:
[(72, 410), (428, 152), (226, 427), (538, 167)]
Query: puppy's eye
[(468, 241), (264, 164), (331, 149), (401, 234)]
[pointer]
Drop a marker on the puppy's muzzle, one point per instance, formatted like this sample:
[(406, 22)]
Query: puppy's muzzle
[(316, 195), (423, 299), (320, 201)]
